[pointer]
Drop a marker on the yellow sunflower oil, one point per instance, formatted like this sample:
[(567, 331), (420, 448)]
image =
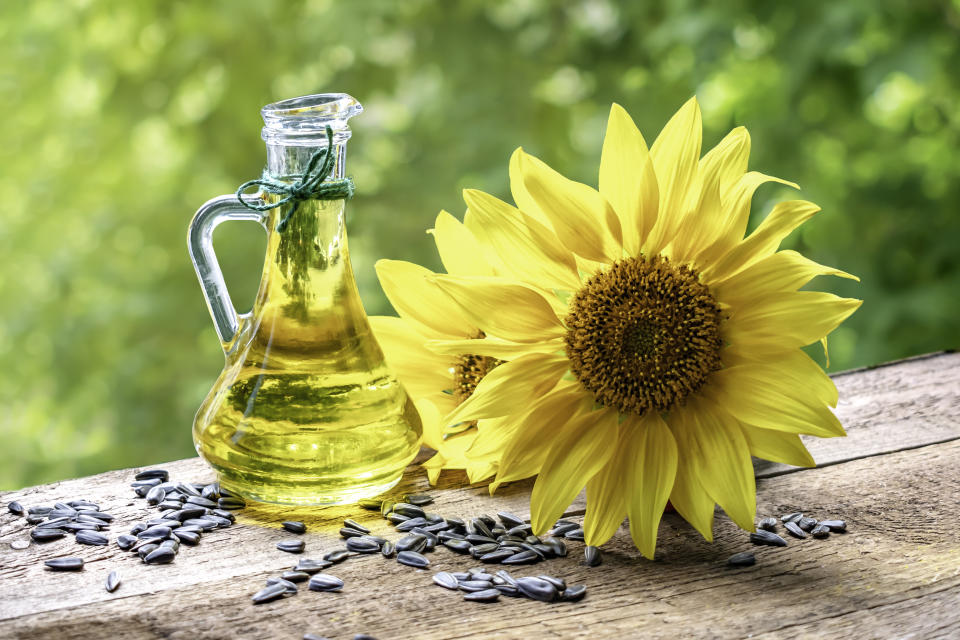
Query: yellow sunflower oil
[(306, 410)]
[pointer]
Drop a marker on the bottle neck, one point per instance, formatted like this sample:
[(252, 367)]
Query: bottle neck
[(288, 160)]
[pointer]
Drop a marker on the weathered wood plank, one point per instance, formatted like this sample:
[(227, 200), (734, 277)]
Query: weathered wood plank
[(902, 546)]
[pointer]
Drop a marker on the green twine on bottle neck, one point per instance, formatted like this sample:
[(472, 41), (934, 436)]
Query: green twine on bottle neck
[(312, 184)]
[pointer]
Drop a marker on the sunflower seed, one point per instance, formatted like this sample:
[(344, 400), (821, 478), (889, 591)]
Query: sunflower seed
[(294, 526), (362, 545), (78, 526), (562, 528), (767, 538), (744, 559), (484, 549), (270, 593), (460, 546), (146, 549), (407, 509), (295, 576), (794, 529), (559, 583), (480, 528), (231, 503), (504, 575), (557, 546), (388, 549), (38, 511), (291, 546), (412, 542), (769, 524), (370, 504), (113, 581), (92, 538), (325, 582), (223, 513), (474, 585), (510, 520), (337, 555), (524, 557), (487, 595), (386, 507), (65, 564), (501, 555), (837, 526), (190, 513), (203, 523), (153, 474), (15, 508), (574, 534), (44, 535), (820, 531), (188, 489), (574, 593), (211, 491), (807, 524), (413, 559), (791, 517), (537, 589), (363, 636), (310, 566), (200, 501), (190, 538), (475, 538), (396, 518), (508, 590), (353, 524), (125, 541), (446, 580), (289, 586), (592, 556), (410, 524), (156, 495)]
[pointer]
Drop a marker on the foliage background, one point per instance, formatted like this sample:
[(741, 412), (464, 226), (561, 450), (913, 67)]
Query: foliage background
[(121, 118)]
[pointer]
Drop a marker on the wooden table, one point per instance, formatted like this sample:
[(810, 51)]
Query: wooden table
[(895, 574)]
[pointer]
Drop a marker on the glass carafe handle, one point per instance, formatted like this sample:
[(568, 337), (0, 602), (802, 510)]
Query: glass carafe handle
[(200, 245)]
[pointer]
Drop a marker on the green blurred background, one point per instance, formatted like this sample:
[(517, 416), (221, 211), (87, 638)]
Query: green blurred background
[(120, 118)]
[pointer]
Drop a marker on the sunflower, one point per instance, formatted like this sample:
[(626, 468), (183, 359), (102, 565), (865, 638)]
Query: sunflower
[(437, 383), (649, 346)]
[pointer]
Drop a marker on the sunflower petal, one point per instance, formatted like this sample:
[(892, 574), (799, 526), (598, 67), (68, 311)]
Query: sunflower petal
[(582, 218), (652, 469), (728, 159), (526, 451), (530, 250), (512, 384), (736, 205), (493, 347), (777, 446), (689, 497), (753, 401), (419, 301), (675, 155), (779, 272), (502, 308), (519, 191), (785, 371), (459, 250), (421, 371), (722, 460), (579, 450), (635, 201), (784, 321), (606, 499)]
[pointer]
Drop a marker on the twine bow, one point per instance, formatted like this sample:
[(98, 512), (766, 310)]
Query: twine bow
[(312, 184)]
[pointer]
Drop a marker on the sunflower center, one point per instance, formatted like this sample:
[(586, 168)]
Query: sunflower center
[(643, 334), (469, 370)]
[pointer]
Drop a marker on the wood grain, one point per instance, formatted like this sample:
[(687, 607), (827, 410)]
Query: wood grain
[(896, 572)]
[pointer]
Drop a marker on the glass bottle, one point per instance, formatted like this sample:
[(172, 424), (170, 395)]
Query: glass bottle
[(305, 410)]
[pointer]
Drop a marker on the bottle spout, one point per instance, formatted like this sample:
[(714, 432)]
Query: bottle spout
[(303, 121)]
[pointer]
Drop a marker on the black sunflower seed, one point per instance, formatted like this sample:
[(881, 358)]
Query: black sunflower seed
[(794, 529), (191, 538), (44, 535), (446, 580), (557, 546), (791, 517), (113, 581), (768, 538), (460, 546), (146, 549), (386, 508), (807, 524), (337, 555), (200, 501), (291, 546), (370, 504), (574, 593), (362, 545), (156, 495), (325, 582), (153, 474), (295, 576), (125, 541), (160, 555), (574, 534), (65, 564), (524, 557), (188, 489), (15, 508), (418, 499), (396, 518), (537, 589), (474, 585), (407, 509), (562, 529), (231, 503), (91, 537), (487, 595), (171, 543), (412, 523), (504, 575), (413, 559), (559, 583), (289, 586), (137, 528), (592, 556), (769, 524), (269, 593), (820, 531), (412, 542), (223, 513), (388, 549), (484, 549), (510, 520), (38, 511), (744, 559), (205, 524), (497, 556), (211, 491), (311, 566), (353, 524), (190, 513), (294, 526), (508, 590), (480, 528), (838, 526)]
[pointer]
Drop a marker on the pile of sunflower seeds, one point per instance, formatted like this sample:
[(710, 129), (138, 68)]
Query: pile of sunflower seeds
[(796, 524), (81, 518)]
